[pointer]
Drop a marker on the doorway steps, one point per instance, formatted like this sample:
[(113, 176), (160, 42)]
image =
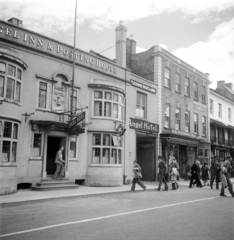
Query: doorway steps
[(51, 184)]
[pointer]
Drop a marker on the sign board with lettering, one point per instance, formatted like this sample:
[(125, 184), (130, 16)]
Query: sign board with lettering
[(143, 86), (59, 96), (77, 120), (143, 125)]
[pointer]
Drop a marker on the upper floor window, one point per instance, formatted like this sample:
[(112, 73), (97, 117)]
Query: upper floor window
[(8, 141), (108, 104), (107, 148), (167, 116), (43, 89), (195, 123), (220, 110), (10, 81), (187, 121), (195, 87), (229, 115), (203, 94), (177, 85), (167, 81), (187, 87), (203, 126), (211, 106), (141, 105), (177, 119), (74, 96)]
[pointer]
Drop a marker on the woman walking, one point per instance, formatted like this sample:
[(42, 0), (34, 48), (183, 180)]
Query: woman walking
[(137, 176), (205, 174), (174, 172)]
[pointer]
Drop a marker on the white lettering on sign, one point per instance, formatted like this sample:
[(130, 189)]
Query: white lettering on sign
[(65, 52), (142, 86)]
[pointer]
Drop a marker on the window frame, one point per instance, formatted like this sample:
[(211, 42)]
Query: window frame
[(203, 95), (211, 106), (177, 83), (117, 106), (187, 122), (141, 107), (41, 146), (167, 117), (187, 87), (195, 91), (167, 79), (115, 144), (11, 139), (219, 110), (203, 126), (230, 115), (46, 95), (178, 120), (6, 77), (196, 124)]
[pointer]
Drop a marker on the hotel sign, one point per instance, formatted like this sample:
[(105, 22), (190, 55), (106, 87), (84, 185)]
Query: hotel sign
[(41, 43), (142, 86), (143, 125)]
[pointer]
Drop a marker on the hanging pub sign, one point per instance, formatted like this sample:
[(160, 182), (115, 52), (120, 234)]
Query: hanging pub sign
[(77, 125), (59, 96)]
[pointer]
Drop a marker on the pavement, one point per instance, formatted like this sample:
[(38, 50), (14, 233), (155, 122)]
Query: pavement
[(28, 195)]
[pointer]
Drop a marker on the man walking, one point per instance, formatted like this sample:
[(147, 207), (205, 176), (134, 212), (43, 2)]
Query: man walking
[(137, 176), (59, 173), (215, 173), (162, 174), (195, 171)]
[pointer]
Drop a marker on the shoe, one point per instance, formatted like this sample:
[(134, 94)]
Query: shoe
[(132, 190), (190, 187), (54, 178), (157, 189), (165, 190), (144, 188), (223, 195), (211, 187)]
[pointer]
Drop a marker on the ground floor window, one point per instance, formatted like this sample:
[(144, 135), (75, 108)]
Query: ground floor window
[(72, 150), (8, 141), (37, 145), (107, 148)]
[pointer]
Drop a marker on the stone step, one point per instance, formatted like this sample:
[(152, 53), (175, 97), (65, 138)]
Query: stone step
[(57, 187), (55, 182)]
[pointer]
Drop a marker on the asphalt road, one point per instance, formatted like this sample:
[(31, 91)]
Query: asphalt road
[(198, 213)]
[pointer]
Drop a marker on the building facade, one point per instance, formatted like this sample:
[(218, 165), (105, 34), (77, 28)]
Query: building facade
[(183, 112), (221, 105), (114, 115)]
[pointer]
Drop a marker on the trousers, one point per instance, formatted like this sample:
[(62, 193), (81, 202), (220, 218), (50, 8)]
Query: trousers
[(214, 176), (138, 181), (59, 172), (162, 179), (230, 188)]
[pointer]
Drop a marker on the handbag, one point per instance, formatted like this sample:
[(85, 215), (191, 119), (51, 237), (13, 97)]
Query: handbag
[(224, 180)]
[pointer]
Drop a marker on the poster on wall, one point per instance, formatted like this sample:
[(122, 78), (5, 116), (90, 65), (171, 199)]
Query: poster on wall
[(59, 97)]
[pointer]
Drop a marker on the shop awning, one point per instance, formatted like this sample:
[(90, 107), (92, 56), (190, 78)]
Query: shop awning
[(218, 123)]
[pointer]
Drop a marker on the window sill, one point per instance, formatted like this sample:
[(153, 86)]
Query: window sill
[(186, 95), (8, 164), (11, 101), (177, 92), (167, 87), (107, 118), (106, 165), (35, 159)]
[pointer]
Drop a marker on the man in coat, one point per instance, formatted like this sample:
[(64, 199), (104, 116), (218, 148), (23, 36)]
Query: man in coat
[(215, 173), (59, 172), (195, 170), (162, 174), (137, 176)]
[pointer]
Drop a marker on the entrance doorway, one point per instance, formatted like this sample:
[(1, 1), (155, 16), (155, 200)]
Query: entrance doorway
[(146, 157), (53, 145)]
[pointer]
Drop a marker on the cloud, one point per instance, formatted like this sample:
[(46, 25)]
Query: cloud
[(215, 56), (53, 15)]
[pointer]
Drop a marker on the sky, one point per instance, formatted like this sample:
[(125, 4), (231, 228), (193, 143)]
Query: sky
[(199, 32)]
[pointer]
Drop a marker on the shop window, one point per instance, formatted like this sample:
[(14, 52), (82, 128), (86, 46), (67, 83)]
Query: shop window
[(108, 104), (10, 82), (187, 121), (37, 145), (206, 155), (177, 119), (177, 85), (106, 148), (72, 149), (203, 126), (195, 89), (42, 101), (141, 105), (167, 80), (200, 152), (187, 87), (196, 123), (8, 140), (167, 116)]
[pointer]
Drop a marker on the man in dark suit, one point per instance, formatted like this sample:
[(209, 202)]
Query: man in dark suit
[(162, 174), (195, 171), (215, 173)]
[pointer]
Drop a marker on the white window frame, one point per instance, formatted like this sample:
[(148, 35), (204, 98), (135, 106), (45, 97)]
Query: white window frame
[(187, 121), (178, 83), (195, 88), (220, 110), (177, 118), (203, 126), (167, 116), (17, 82), (41, 148), (203, 94), (76, 147), (116, 147), (141, 108), (167, 78), (230, 115), (211, 106), (187, 87), (48, 92), (196, 124), (13, 139)]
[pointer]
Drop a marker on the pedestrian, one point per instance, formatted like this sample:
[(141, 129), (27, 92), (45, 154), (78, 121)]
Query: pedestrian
[(137, 176), (60, 168), (174, 173), (162, 174), (225, 177), (195, 171), (215, 173), (205, 174), (188, 172)]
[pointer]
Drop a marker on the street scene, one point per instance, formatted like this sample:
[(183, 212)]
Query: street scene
[(117, 119)]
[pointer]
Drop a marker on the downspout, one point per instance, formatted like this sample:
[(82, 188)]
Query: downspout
[(125, 121)]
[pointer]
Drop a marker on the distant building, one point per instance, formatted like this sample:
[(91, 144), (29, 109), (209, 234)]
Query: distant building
[(183, 112), (221, 105)]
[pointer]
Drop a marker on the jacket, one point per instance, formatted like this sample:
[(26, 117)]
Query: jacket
[(59, 157)]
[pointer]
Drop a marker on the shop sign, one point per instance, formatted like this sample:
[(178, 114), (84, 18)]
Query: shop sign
[(59, 96), (187, 134), (143, 125), (76, 120), (142, 86)]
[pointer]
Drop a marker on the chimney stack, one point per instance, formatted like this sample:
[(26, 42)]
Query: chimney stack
[(16, 21), (220, 84), (121, 45), (229, 85)]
